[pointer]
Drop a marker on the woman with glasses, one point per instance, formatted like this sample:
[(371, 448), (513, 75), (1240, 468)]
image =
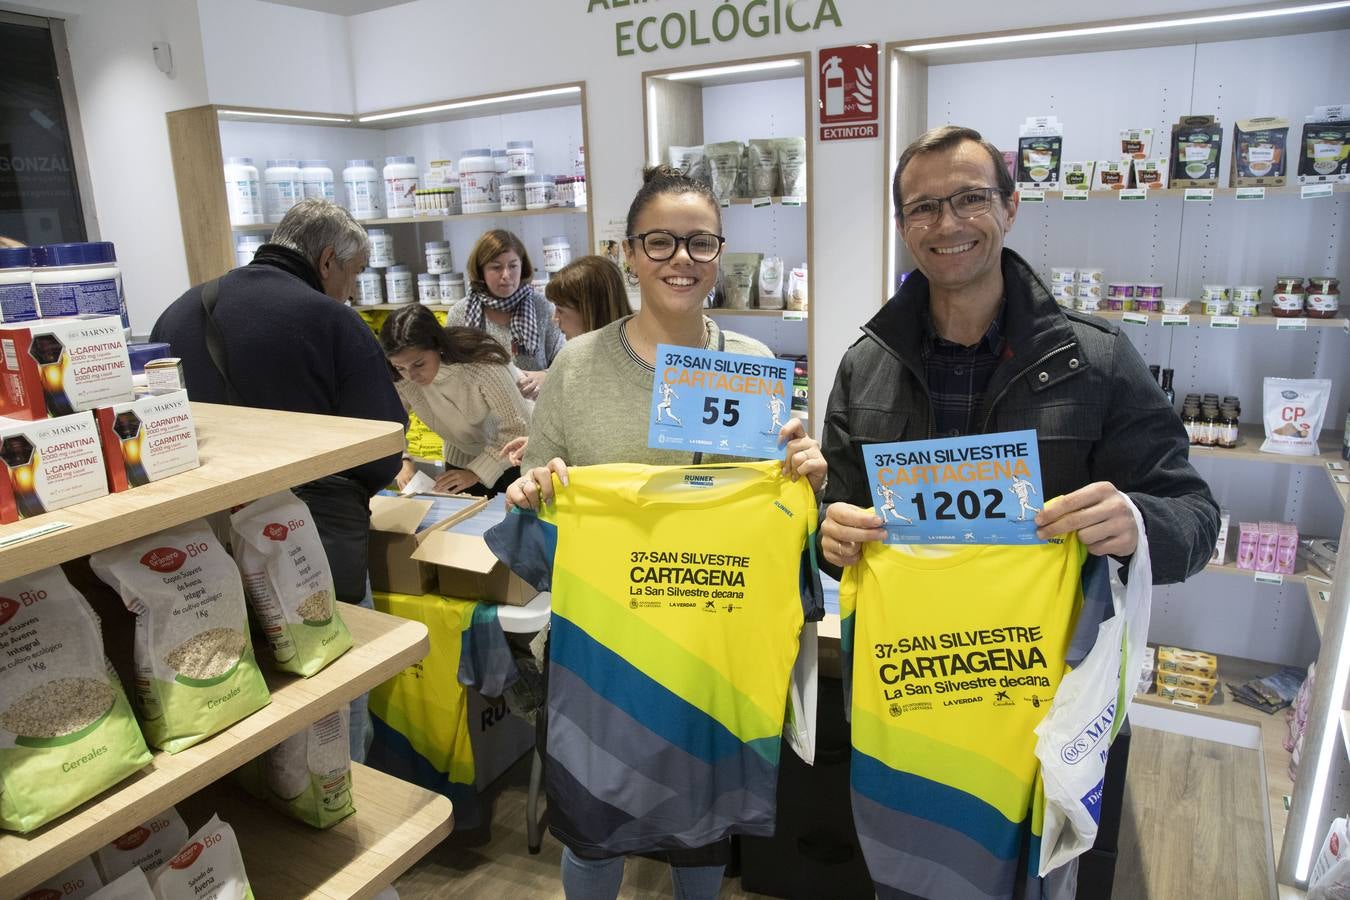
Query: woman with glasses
[(595, 405), (502, 303)]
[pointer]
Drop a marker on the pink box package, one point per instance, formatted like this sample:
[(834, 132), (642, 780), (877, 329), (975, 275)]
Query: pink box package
[(1267, 547)]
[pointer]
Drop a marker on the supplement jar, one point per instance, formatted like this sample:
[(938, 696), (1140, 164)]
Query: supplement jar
[(78, 279), (398, 282), (381, 248), (438, 257), (562, 192), (1246, 293), (316, 180), (1148, 304), (557, 253), (1089, 289), (1216, 292), (18, 302), (501, 164), (246, 247), (1063, 276), (428, 289), (520, 157), (1148, 290), (1216, 305), (1175, 306), (1119, 290), (400, 181), (478, 183), (1091, 276), (1089, 304), (1324, 297), (512, 193), (579, 191), (365, 190), (369, 289), (539, 192), (452, 287), (282, 188), (241, 191)]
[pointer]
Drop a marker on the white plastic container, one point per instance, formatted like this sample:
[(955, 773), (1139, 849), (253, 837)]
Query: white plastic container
[(381, 248), (1063, 276), (400, 180), (501, 162), (579, 191), (78, 279), (365, 189), (18, 301), (520, 157), (245, 249), (478, 184), (438, 257), (557, 253), (562, 191), (369, 288), (512, 193), (282, 187), (316, 180), (539, 192), (428, 289), (398, 282), (241, 191), (452, 287)]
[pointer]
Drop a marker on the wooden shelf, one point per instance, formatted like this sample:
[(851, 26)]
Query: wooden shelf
[(394, 825), (429, 220), (439, 307), (1250, 438), (1202, 321), (1273, 728), (1298, 576), (766, 313), (1342, 469), (384, 646), (792, 203), (1319, 601), (245, 454)]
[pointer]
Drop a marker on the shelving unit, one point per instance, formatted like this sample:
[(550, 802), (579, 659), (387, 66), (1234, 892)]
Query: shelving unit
[(1234, 69), (245, 454), (740, 100), (553, 116)]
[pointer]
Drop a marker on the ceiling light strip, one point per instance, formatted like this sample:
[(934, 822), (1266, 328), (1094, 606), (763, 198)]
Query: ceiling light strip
[(303, 117), (734, 70), (467, 104)]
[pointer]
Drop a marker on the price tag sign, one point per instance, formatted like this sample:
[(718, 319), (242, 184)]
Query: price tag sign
[(793, 201), (1076, 195), (713, 402), (1299, 324), (1268, 578), (1228, 322), (1199, 195), (1172, 320), (1335, 466), (794, 315), (978, 489), (29, 533), (761, 202), (1251, 193), (1341, 479), (1134, 318), (1134, 194), (1031, 196), (725, 204), (1315, 191)]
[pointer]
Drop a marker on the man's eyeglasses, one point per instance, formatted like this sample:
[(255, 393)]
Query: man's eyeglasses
[(660, 246), (965, 205)]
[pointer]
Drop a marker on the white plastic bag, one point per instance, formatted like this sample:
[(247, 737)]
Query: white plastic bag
[(1087, 712), (799, 723)]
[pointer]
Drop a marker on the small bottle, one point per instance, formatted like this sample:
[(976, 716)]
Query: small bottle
[(1153, 370), (1167, 387), (1228, 434), (1209, 426), (1190, 420)]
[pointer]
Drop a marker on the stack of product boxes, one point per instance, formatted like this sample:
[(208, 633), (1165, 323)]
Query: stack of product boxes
[(1267, 547), (1189, 676), (71, 427)]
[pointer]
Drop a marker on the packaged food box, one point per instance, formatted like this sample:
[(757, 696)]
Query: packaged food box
[(1324, 152), (55, 367), (1111, 174), (1200, 683), (1187, 662), (1152, 173), (1186, 695), (1076, 176), (1221, 545), (1259, 152), (1197, 142), (147, 439), (49, 464), (1040, 148), (1136, 143)]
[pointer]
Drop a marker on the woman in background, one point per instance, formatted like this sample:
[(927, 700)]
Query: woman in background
[(502, 303), (458, 381)]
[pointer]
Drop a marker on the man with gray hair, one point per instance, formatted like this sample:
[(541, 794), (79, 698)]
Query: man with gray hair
[(277, 334)]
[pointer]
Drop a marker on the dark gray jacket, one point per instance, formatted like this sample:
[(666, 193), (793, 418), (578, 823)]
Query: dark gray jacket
[(1098, 413)]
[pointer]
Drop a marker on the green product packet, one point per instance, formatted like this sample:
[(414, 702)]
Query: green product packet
[(307, 776)]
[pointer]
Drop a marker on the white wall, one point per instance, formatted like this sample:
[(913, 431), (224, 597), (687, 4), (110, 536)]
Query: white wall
[(123, 98)]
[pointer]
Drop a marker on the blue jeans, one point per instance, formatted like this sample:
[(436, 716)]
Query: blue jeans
[(359, 732), (599, 879)]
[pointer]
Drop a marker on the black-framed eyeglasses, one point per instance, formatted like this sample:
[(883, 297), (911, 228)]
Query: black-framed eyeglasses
[(660, 246), (965, 204)]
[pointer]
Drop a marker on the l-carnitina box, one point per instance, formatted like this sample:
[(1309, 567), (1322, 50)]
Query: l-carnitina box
[(48, 464), (147, 439), (55, 367)]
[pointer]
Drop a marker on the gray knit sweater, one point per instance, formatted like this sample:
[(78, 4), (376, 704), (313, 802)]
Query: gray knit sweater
[(596, 401)]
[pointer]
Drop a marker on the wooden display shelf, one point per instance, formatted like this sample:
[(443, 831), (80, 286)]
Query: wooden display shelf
[(773, 201), (245, 454), (1203, 321), (1287, 190), (394, 825), (428, 220), (1274, 730), (1250, 438), (439, 307), (1319, 601), (384, 645), (1337, 468)]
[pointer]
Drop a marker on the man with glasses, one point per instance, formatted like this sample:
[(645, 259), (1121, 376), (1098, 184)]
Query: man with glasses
[(973, 343)]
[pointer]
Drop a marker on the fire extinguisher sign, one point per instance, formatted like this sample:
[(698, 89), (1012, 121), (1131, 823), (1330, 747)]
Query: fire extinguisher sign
[(850, 92)]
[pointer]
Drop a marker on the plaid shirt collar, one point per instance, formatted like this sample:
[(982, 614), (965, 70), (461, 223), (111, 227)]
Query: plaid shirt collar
[(958, 376)]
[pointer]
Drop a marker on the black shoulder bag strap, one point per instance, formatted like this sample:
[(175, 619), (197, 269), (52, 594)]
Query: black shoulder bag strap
[(721, 345), (215, 343)]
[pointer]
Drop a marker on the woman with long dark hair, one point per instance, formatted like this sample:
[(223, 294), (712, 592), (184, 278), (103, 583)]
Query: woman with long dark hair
[(458, 381)]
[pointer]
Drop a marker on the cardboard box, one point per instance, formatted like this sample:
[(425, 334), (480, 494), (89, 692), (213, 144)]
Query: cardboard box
[(49, 464), (467, 570), (147, 439), (398, 526), (56, 367)]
